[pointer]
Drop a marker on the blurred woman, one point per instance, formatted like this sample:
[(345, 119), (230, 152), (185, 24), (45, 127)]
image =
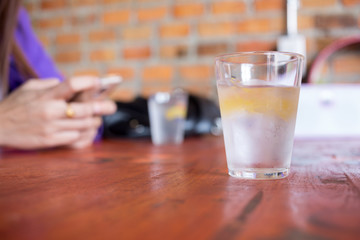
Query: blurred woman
[(38, 108)]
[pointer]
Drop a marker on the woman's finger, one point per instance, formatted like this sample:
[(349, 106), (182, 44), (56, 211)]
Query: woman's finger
[(69, 88), (31, 91), (59, 109), (61, 138), (86, 138), (104, 107), (39, 84), (88, 109), (79, 124)]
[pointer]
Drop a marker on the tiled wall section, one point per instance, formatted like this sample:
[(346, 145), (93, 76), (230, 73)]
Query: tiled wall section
[(162, 44)]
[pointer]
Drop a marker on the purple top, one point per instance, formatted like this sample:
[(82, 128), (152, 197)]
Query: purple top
[(34, 53)]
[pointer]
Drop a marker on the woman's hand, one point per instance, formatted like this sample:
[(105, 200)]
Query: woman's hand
[(35, 115), (88, 135)]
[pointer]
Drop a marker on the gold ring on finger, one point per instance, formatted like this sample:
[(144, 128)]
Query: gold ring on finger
[(69, 112)]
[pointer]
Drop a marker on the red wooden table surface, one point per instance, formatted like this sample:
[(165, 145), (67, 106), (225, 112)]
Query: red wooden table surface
[(130, 189)]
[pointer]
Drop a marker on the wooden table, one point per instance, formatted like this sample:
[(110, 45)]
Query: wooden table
[(130, 189)]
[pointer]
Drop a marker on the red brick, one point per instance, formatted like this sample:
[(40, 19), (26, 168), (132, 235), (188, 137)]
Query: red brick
[(172, 30), (305, 22), (29, 6), (188, 10), (196, 73), (54, 22), (149, 90), (320, 43), (270, 5), (137, 52), (152, 1), (350, 3), (311, 46), (335, 21), (67, 39), (45, 41), (151, 14), (137, 33), (83, 3), (347, 64), (325, 69), (228, 7), (116, 17), (127, 73), (173, 51), (256, 46), (51, 4), (116, 1), (211, 49), (102, 55), (123, 94), (262, 25), (84, 19), (68, 57), (159, 73), (86, 72), (102, 35), (318, 3), (216, 29)]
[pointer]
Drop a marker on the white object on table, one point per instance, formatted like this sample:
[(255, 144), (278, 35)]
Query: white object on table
[(328, 110)]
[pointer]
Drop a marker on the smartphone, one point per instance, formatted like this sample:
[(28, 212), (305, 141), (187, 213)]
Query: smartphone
[(108, 84)]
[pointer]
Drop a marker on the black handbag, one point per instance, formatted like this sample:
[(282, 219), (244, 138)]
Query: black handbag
[(131, 120)]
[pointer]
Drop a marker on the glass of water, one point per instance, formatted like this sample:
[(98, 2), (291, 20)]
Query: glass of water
[(258, 97), (167, 112)]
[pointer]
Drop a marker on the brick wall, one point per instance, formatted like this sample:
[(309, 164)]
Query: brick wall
[(162, 44)]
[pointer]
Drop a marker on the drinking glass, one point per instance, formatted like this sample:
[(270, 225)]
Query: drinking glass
[(258, 96), (167, 112)]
